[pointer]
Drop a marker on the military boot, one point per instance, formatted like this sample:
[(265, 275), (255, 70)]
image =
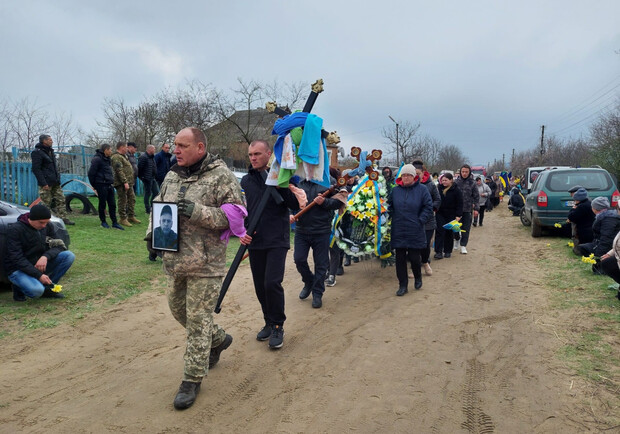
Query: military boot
[(186, 395), (125, 222), (133, 219)]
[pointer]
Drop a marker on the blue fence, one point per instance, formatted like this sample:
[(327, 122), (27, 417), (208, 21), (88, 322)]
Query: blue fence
[(19, 185)]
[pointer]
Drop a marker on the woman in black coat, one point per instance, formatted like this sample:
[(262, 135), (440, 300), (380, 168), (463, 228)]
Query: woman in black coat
[(101, 178), (451, 208), (582, 217), (410, 207)]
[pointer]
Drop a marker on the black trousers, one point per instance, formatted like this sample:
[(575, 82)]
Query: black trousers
[(610, 268), (466, 220), (425, 253), (319, 243), (336, 256), (444, 238), (267, 267), (480, 217), (105, 193), (413, 255)]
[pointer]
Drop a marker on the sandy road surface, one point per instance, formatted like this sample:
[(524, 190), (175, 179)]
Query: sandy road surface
[(467, 353)]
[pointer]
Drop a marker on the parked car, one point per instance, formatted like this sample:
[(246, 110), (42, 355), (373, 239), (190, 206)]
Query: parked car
[(549, 202), (531, 171), (8, 214)]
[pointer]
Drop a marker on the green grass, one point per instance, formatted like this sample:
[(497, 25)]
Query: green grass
[(590, 350), (111, 266)]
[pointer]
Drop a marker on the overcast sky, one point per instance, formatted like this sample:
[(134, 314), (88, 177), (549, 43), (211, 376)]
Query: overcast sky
[(480, 74)]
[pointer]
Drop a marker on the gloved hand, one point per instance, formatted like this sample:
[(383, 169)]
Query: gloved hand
[(186, 207)]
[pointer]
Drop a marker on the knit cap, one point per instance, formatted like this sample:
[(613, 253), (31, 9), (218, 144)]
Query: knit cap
[(407, 169), (600, 203), (581, 194), (40, 212)]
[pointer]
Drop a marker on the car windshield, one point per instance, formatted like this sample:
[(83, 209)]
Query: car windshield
[(592, 180)]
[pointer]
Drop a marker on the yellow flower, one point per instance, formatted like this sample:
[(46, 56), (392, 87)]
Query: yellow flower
[(57, 288), (25, 203), (557, 225), (351, 202), (369, 204), (548, 245), (571, 244)]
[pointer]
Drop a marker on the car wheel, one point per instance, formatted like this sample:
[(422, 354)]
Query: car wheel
[(525, 221), (536, 229)]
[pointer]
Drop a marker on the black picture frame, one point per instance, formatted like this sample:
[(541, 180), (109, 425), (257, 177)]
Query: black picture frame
[(164, 238)]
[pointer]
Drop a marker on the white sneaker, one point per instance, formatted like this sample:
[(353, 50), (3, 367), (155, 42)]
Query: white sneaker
[(457, 244), (427, 269), (463, 250)]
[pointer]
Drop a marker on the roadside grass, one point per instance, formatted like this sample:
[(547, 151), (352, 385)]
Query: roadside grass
[(111, 266), (592, 349)]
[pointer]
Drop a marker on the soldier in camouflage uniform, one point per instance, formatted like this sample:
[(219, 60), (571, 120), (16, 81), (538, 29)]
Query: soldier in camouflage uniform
[(200, 183), (123, 183), (46, 171)]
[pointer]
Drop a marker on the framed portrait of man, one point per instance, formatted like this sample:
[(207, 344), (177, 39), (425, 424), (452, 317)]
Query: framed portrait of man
[(165, 223)]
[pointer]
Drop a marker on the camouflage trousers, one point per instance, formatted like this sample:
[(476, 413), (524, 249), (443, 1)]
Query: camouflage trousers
[(126, 202), (191, 301), (54, 199)]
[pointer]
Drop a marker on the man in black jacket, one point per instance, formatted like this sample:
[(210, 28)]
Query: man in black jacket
[(46, 171), (36, 258), (101, 178), (269, 243), (147, 172), (312, 231)]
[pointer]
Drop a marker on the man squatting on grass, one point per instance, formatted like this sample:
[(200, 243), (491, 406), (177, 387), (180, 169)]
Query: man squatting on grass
[(36, 258), (206, 191)]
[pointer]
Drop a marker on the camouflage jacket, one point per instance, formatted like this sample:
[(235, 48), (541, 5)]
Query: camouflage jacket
[(123, 172), (201, 252)]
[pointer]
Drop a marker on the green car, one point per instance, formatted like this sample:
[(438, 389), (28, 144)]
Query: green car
[(549, 200)]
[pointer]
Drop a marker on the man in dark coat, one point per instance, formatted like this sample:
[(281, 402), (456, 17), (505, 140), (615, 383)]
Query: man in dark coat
[(411, 207), (132, 148), (312, 231), (147, 172), (582, 217), (516, 202), (471, 200), (605, 228), (36, 258), (162, 161), (269, 243), (46, 171), (101, 178)]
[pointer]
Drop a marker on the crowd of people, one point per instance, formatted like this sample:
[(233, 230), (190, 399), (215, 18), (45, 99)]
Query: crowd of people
[(423, 211)]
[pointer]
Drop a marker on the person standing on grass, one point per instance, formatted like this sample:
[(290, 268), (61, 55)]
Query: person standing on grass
[(36, 258), (101, 178), (411, 207), (269, 243), (202, 186), (132, 148), (45, 169), (162, 161), (123, 182), (451, 208), (465, 182), (147, 172)]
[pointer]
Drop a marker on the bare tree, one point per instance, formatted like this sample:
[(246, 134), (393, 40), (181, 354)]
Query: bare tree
[(450, 158), (117, 119), (401, 137), (64, 131), (28, 122), (606, 137)]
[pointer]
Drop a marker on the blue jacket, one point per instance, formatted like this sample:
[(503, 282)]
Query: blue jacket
[(411, 207)]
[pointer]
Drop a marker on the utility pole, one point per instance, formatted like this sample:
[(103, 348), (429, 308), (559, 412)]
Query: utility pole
[(503, 161), (397, 142), (542, 143)]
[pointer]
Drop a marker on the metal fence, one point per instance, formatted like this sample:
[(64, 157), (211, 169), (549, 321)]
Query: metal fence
[(19, 185)]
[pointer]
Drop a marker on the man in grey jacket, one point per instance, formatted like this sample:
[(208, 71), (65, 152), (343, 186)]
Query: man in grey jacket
[(470, 203)]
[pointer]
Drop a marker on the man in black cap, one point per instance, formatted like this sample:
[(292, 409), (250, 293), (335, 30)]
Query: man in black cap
[(36, 258), (45, 169)]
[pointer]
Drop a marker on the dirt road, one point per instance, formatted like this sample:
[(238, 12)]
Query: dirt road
[(471, 352)]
